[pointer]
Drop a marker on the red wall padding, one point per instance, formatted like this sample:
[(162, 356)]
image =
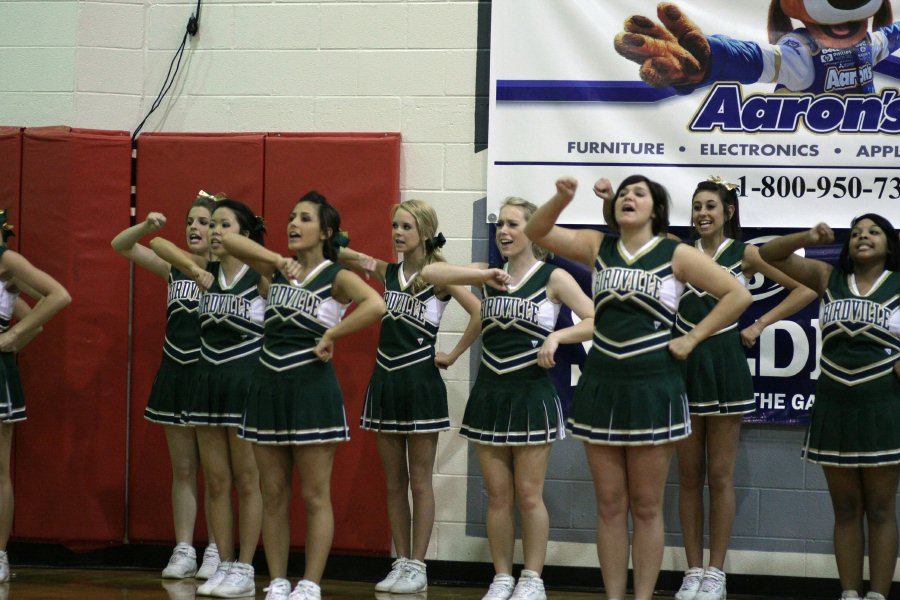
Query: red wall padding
[(359, 174), (171, 168), (70, 454), (11, 176)]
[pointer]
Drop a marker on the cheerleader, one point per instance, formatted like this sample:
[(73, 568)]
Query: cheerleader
[(630, 404), (854, 429), (514, 414), (17, 275), (406, 401), (295, 412), (169, 395), (231, 327)]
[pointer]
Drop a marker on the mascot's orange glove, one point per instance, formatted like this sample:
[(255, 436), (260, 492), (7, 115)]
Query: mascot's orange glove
[(675, 54)]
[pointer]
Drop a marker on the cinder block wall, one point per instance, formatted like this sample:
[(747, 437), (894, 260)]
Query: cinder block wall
[(373, 65)]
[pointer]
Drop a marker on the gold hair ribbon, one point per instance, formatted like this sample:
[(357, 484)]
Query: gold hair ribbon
[(719, 181), (204, 194)]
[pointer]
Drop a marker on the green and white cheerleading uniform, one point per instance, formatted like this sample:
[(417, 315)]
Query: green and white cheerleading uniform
[(855, 421), (12, 399), (513, 401), (406, 393), (231, 328), (631, 390), (170, 394), (716, 374), (295, 397)]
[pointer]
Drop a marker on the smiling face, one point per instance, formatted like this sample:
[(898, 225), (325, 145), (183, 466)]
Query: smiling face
[(197, 229), (304, 228), (868, 242), (405, 232), (708, 213), (511, 239), (223, 221), (830, 24)]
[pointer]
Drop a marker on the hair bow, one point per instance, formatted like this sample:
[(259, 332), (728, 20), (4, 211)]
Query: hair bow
[(436, 242), (719, 181), (341, 239)]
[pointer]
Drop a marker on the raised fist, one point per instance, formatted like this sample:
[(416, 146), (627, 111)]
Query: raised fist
[(674, 54)]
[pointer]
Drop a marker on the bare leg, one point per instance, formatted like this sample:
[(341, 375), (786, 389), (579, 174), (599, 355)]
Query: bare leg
[(7, 502), (880, 493), (314, 463), (497, 469), (275, 471), (422, 449), (722, 437), (607, 465), (647, 468), (185, 458), (392, 450), (691, 479), (845, 487), (246, 479), (530, 469), (216, 461)]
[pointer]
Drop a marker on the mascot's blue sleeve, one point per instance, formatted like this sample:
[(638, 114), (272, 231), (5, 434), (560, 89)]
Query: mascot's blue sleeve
[(892, 33), (729, 60)]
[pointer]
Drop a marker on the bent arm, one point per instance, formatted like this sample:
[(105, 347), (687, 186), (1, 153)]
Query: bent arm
[(580, 245), (257, 257), (53, 298), (472, 305), (780, 253)]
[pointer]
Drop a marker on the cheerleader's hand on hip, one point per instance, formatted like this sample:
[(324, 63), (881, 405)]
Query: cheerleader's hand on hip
[(681, 347), (324, 349), (9, 341), (750, 334), (545, 354)]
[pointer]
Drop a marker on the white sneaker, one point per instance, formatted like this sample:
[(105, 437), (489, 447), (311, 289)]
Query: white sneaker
[(238, 583), (306, 590), (279, 589), (412, 580), (874, 596), (501, 588), (396, 570), (182, 563), (210, 562), (530, 587), (849, 595), (690, 585), (218, 577), (712, 586), (4, 566)]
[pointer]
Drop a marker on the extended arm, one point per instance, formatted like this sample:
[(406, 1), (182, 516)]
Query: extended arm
[(580, 245), (798, 297), (363, 262), (813, 274), (444, 275), (126, 244)]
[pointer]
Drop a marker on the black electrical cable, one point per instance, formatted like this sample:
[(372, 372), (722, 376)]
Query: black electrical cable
[(193, 26)]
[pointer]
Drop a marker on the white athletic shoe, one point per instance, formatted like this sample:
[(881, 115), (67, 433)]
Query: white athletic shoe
[(279, 589), (412, 580), (210, 562), (182, 564), (530, 587), (396, 571), (712, 587), (213, 582), (306, 590), (501, 588), (849, 595), (690, 585), (4, 566), (874, 596), (238, 583)]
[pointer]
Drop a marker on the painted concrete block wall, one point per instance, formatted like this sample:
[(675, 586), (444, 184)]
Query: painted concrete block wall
[(373, 65)]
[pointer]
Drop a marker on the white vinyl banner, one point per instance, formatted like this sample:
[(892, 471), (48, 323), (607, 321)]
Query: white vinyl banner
[(805, 124)]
